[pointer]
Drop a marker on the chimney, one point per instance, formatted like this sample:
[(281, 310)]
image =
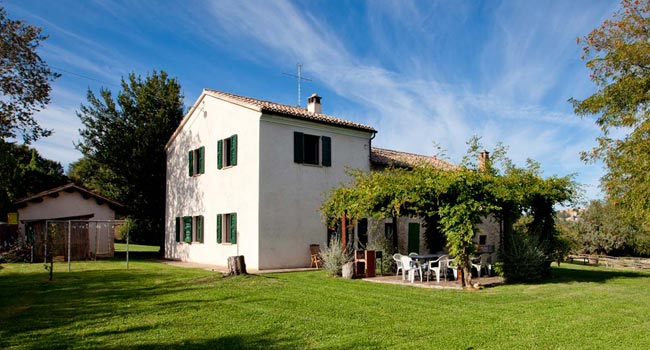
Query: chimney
[(313, 103), (483, 160)]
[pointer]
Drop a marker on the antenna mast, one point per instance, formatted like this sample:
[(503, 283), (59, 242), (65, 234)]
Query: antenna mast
[(300, 78)]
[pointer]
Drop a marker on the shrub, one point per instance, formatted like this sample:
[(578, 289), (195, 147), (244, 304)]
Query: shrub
[(335, 256), (524, 261), (385, 245)]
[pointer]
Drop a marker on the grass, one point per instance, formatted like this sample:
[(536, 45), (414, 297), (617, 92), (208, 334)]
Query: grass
[(121, 247), (155, 306)]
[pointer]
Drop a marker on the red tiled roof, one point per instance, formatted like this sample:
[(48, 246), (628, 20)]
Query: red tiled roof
[(386, 157), (291, 111)]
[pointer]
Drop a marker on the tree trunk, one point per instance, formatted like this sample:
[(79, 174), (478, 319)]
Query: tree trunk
[(236, 265)]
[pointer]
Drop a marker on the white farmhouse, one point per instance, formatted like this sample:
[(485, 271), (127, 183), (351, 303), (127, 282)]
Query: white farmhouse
[(247, 177)]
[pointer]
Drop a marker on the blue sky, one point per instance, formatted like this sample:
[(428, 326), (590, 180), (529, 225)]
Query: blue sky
[(418, 71)]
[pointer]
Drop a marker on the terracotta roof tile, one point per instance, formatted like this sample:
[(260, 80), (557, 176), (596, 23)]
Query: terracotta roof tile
[(386, 157), (291, 111)]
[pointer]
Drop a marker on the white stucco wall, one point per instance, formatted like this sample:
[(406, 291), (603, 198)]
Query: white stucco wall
[(291, 194), (217, 191), (64, 206)]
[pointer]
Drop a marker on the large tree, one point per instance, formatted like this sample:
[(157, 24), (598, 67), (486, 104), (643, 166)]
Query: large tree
[(24, 80), (25, 172), (123, 140), (618, 55)]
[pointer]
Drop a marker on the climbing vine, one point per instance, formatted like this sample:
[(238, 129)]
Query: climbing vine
[(456, 200)]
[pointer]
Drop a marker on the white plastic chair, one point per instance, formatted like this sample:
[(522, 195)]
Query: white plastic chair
[(439, 266), (398, 261), (482, 261), (410, 266), (453, 267)]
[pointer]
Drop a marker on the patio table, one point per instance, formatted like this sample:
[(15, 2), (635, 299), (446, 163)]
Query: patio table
[(425, 258)]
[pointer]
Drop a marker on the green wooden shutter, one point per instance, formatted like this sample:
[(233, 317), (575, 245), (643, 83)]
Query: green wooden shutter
[(187, 229), (233, 149), (218, 228), (233, 228), (219, 154), (414, 237), (327, 151), (201, 169), (191, 158), (199, 228), (178, 229), (298, 147)]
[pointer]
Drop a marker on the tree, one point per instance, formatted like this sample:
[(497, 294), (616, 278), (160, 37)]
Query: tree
[(618, 55), (25, 172), (123, 140), (24, 80)]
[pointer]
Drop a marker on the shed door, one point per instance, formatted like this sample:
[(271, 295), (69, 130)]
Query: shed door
[(414, 237)]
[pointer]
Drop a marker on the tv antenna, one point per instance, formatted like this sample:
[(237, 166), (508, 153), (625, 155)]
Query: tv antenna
[(300, 79)]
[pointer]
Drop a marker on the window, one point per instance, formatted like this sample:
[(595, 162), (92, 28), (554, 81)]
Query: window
[(192, 229), (482, 239), (227, 228), (388, 230), (196, 162), (312, 149), (227, 152)]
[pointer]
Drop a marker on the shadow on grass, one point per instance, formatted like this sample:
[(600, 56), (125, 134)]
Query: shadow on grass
[(137, 256), (265, 340), (580, 273), (29, 304)]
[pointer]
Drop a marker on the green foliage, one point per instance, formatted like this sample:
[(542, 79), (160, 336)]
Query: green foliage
[(335, 256), (377, 241), (525, 260), (24, 173), (618, 55), (457, 199), (601, 229), (24, 80), (123, 230), (123, 142)]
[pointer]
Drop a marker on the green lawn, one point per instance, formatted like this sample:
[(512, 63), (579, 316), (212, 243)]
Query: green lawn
[(121, 247), (155, 306)]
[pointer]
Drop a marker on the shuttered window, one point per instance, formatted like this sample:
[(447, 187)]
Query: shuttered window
[(227, 228), (312, 149), (227, 152), (196, 159)]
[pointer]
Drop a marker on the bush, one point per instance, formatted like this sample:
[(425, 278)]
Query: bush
[(524, 261), (335, 256), (384, 245)]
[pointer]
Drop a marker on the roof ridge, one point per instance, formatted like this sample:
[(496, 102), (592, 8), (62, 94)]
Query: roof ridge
[(295, 111)]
